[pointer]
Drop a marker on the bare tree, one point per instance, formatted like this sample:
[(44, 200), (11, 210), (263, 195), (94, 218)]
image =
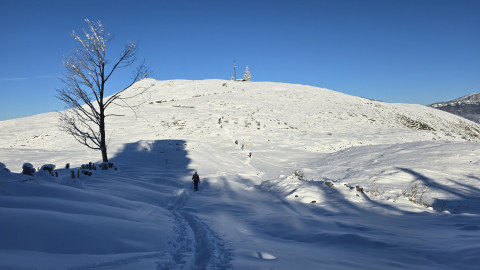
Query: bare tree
[(88, 71)]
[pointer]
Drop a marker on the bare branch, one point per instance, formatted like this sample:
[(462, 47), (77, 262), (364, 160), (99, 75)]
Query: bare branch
[(141, 72), (126, 59)]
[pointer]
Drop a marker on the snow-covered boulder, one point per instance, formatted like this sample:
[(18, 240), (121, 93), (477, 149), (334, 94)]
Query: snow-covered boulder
[(108, 165), (28, 169), (48, 167)]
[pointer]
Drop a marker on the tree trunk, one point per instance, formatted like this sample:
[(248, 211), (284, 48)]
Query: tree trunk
[(104, 154), (103, 141)]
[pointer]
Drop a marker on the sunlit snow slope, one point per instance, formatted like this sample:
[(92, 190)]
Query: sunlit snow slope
[(419, 169)]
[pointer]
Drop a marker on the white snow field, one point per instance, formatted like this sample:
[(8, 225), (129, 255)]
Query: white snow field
[(292, 205)]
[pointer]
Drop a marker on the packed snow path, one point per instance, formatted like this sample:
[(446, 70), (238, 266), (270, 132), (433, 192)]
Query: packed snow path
[(196, 245)]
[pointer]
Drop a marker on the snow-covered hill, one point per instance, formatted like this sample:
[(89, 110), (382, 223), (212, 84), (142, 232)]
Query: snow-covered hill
[(310, 119), (293, 203)]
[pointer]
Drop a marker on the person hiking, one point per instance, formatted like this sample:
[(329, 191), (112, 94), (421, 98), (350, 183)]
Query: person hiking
[(196, 180)]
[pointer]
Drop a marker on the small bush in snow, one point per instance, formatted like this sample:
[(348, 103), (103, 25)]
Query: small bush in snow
[(374, 188), (104, 165), (415, 193), (108, 165), (440, 205), (299, 174), (359, 189), (89, 166)]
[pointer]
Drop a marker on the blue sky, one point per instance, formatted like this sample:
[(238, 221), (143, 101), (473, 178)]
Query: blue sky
[(410, 51)]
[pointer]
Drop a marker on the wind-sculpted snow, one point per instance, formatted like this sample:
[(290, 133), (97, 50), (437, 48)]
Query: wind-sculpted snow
[(333, 182)]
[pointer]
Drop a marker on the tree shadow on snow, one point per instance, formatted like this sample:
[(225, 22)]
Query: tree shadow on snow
[(344, 224), (272, 214), (468, 196), (157, 161), (158, 154)]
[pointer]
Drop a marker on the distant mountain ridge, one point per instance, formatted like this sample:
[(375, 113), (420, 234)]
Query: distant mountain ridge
[(467, 107), (469, 98)]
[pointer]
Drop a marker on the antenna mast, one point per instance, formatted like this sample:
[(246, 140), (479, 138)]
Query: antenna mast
[(234, 71)]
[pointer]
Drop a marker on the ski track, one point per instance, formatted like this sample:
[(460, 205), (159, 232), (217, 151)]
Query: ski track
[(196, 245), (210, 252)]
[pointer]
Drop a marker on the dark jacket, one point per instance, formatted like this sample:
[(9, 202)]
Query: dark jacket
[(195, 178)]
